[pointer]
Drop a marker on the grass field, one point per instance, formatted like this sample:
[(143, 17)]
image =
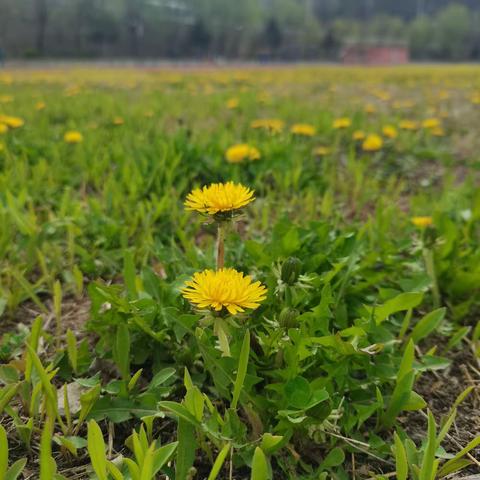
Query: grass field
[(334, 332)]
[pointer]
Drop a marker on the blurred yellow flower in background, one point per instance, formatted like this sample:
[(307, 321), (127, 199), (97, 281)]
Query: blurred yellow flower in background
[(431, 123), (303, 129), (408, 125), (3, 128), (403, 104), (72, 90), (242, 151), (12, 122), (233, 103), (342, 122), (73, 137), (422, 222), (118, 121), (321, 151), (358, 135), (437, 131), (273, 125), (389, 131), (372, 143)]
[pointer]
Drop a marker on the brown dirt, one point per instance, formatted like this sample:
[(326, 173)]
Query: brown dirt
[(440, 389)]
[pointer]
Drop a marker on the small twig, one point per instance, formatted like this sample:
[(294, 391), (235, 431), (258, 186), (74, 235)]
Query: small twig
[(111, 434), (475, 370), (472, 383), (360, 446), (454, 476), (384, 475), (352, 440)]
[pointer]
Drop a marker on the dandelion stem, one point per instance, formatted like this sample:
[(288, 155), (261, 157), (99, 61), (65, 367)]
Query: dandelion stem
[(220, 246), (430, 268)]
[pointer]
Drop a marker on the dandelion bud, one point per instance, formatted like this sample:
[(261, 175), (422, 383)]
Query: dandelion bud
[(288, 317), (291, 269)]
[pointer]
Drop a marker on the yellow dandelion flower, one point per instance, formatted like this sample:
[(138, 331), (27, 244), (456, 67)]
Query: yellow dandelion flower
[(422, 222), (389, 131), (73, 137), (303, 129), (399, 104), (12, 122), (40, 105), (118, 121), (369, 108), (224, 288), (72, 91), (219, 197), (263, 98), (242, 151), (408, 125), (272, 125), (437, 131), (372, 143), (233, 103), (3, 128), (382, 95), (358, 135), (343, 122), (431, 123), (321, 151)]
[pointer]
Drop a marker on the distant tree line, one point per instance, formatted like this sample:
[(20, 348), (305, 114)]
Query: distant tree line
[(243, 29)]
